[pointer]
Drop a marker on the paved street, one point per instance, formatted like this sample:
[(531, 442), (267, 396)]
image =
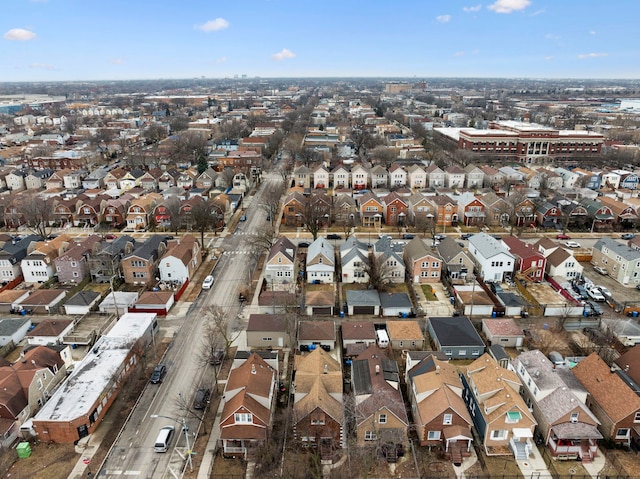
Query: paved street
[(133, 453)]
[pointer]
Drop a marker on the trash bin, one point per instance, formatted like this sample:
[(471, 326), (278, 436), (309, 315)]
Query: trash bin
[(635, 314), (494, 315), (24, 450), (342, 314)]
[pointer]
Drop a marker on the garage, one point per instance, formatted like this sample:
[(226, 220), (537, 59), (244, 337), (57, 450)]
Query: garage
[(364, 310), (323, 311)]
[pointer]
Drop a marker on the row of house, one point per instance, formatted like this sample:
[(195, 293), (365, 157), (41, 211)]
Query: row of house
[(37, 260)]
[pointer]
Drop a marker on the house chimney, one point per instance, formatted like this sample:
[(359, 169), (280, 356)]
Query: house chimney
[(377, 369), (626, 368), (437, 369), (22, 358), (326, 369), (33, 361), (253, 369)]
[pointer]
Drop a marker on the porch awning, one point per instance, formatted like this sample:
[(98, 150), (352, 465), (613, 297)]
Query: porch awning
[(576, 430), (522, 432)]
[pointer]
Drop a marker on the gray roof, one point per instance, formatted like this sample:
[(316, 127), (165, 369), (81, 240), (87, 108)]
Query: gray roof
[(510, 299), (455, 331), (10, 326), (352, 254), (321, 246), (488, 246), (363, 298), (361, 374), (83, 298), (449, 249), (618, 248), (117, 246), (149, 249), (498, 352), (353, 243), (18, 251), (395, 300)]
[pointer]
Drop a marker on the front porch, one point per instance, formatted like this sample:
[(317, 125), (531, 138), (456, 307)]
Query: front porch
[(458, 440)]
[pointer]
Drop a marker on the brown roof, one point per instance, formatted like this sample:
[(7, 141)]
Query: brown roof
[(630, 362), (154, 297), (254, 375), (266, 322), (606, 388), (503, 327), (404, 330), (317, 330), (41, 297), (358, 330), (50, 327), (10, 295)]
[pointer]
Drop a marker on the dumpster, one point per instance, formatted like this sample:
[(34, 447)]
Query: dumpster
[(24, 450)]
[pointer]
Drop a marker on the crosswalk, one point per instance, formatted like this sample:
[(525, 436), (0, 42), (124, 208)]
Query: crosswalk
[(236, 252)]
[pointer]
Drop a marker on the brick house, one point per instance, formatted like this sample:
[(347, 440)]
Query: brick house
[(422, 264), (395, 209), (73, 265), (141, 265), (371, 210)]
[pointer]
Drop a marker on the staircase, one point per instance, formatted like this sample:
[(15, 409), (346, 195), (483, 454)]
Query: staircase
[(585, 455), (520, 450), (456, 456)]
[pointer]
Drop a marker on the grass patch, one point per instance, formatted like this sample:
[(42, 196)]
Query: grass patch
[(502, 466), (354, 286), (429, 293)]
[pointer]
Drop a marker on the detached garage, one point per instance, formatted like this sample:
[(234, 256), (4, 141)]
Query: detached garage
[(396, 304), (319, 303), (363, 302)]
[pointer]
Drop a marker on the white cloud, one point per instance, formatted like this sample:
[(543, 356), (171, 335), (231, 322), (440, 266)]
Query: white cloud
[(19, 34), (458, 54), (42, 66), (538, 12), (443, 18), (283, 54), (548, 57), (475, 8), (116, 61), (592, 55), (552, 36), (508, 6), (221, 60), (592, 32), (213, 25)]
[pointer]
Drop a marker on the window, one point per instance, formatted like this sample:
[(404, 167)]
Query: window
[(137, 264), (637, 417), (370, 436), (574, 416), (622, 432), (462, 352), (139, 274), (433, 435), (243, 418), (447, 419), (382, 418), (498, 434)]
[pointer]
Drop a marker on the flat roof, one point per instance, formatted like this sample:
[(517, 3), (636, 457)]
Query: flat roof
[(91, 377)]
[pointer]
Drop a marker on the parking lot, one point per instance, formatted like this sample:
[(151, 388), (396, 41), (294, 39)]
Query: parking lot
[(621, 294)]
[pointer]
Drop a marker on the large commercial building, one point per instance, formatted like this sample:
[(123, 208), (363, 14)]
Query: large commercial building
[(525, 142)]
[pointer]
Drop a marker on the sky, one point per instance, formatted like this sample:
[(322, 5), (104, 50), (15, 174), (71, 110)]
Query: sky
[(77, 40)]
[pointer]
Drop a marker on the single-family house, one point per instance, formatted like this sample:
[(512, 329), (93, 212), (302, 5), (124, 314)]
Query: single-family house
[(395, 209), (38, 266), (12, 254), (417, 177), (141, 265), (493, 260), (530, 264), (280, 266), (320, 263), (371, 210), (456, 263), (456, 337), (181, 260), (72, 266), (423, 264)]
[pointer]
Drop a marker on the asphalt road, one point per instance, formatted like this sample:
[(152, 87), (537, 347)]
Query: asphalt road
[(133, 453)]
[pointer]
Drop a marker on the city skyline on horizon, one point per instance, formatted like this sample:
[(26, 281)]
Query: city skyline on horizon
[(57, 40)]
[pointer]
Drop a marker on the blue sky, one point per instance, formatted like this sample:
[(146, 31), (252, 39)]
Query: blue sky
[(44, 40)]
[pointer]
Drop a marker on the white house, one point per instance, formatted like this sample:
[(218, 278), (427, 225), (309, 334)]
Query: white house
[(38, 266), (388, 257), (359, 177), (13, 330), (562, 263), (492, 257), (341, 177), (397, 176), (321, 178), (181, 260), (417, 177), (354, 264), (610, 179), (281, 262), (320, 262)]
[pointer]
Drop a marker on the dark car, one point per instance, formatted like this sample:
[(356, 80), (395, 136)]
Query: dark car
[(408, 236), (202, 398), (495, 287), (158, 373), (466, 236), (498, 237), (217, 355), (303, 244), (439, 237), (628, 236), (333, 236)]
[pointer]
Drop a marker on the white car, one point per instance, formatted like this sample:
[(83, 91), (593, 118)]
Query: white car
[(208, 282), (572, 244), (595, 294), (605, 292), (600, 269)]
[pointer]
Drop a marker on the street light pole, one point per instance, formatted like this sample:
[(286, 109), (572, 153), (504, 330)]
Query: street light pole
[(186, 435)]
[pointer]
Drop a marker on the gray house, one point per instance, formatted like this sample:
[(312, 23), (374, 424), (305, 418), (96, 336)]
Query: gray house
[(267, 331), (13, 330), (456, 337), (457, 264), (363, 302)]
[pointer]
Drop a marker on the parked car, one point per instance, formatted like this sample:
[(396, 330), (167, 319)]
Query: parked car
[(466, 236), (202, 398), (597, 310), (408, 236), (572, 244), (440, 237), (595, 294), (208, 282), (217, 355), (563, 236), (243, 218), (628, 236), (605, 292), (495, 287), (110, 236), (601, 270), (498, 237), (303, 244), (333, 236), (158, 373)]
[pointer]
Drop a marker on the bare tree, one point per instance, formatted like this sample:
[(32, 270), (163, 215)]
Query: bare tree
[(228, 175), (38, 213), (384, 156), (263, 240), (271, 201), (380, 273), (189, 147), (316, 214), (203, 218), (173, 206), (217, 323)]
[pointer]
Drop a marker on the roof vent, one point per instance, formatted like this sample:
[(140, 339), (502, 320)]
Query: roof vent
[(377, 369), (326, 369), (437, 369), (253, 369)]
